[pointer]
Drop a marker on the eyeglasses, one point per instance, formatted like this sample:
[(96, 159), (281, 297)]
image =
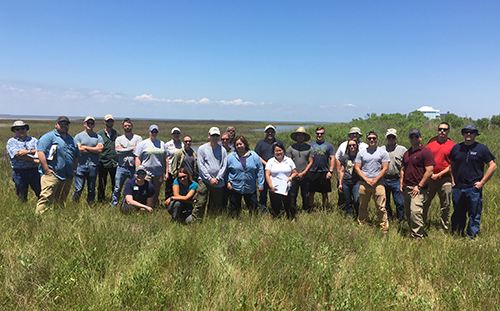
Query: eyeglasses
[(187, 141), (371, 138), (63, 123), (320, 134), (141, 173), (182, 177), (19, 128), (413, 136), (442, 129)]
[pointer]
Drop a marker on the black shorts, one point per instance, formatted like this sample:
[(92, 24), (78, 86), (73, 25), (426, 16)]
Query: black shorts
[(319, 183)]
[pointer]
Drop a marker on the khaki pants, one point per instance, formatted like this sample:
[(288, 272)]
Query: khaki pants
[(207, 194), (415, 211), (378, 193), (156, 181), (443, 188), (54, 190)]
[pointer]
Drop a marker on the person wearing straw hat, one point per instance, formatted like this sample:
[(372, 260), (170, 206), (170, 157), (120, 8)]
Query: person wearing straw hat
[(302, 155), (23, 160)]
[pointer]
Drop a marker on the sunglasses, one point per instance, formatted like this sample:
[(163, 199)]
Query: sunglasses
[(110, 120), (352, 145), (391, 137), (320, 134), (413, 136), (19, 128), (63, 123), (90, 122), (468, 132), (214, 135), (442, 129), (176, 133), (187, 141), (371, 138), (224, 139), (141, 173), (154, 131), (182, 177)]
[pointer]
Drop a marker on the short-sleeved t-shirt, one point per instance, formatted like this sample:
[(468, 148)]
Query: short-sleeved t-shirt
[(350, 176), (139, 193), (371, 161), (441, 152), (322, 152), (183, 190), (91, 140), (469, 163), (414, 163), (300, 155), (152, 156), (281, 170)]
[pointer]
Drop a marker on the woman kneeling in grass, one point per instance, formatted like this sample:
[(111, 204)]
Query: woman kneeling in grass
[(180, 205)]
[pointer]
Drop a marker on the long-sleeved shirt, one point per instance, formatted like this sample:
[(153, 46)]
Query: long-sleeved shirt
[(13, 145), (212, 163), (244, 179)]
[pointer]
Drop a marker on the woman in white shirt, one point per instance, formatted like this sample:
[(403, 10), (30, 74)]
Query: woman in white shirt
[(280, 171)]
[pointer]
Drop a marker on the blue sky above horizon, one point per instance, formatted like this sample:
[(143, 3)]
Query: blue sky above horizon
[(324, 61)]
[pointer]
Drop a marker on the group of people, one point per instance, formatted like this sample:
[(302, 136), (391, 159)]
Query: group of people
[(225, 171)]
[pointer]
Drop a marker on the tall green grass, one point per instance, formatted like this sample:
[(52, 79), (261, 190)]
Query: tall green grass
[(83, 257)]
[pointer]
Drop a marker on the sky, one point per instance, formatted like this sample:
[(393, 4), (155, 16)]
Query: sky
[(301, 61)]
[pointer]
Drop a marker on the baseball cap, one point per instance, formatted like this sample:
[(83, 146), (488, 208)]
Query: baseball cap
[(154, 127), (391, 132), (89, 118), (214, 131), (415, 131), (270, 126), (108, 117), (176, 129), (63, 119)]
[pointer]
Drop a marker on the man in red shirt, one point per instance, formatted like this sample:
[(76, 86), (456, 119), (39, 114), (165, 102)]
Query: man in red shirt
[(418, 164), (440, 180)]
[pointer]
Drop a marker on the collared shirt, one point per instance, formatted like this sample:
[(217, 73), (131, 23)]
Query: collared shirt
[(415, 162), (441, 153), (469, 163), (13, 145), (66, 151)]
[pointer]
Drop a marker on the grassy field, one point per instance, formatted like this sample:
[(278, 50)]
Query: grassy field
[(93, 258)]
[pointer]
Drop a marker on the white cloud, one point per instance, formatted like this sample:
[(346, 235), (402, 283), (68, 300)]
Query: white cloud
[(203, 101), (350, 105)]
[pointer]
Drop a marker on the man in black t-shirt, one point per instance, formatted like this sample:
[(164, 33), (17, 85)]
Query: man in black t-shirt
[(138, 192)]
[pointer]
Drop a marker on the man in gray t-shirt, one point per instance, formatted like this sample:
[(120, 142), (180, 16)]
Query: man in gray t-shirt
[(391, 178), (371, 165), (90, 145), (125, 146), (302, 155)]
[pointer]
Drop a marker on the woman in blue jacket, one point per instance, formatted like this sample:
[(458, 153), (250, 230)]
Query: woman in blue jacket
[(245, 171)]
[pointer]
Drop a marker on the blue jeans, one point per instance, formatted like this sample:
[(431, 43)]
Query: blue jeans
[(392, 186), (467, 201), (24, 179), (88, 173), (351, 195), (122, 174)]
